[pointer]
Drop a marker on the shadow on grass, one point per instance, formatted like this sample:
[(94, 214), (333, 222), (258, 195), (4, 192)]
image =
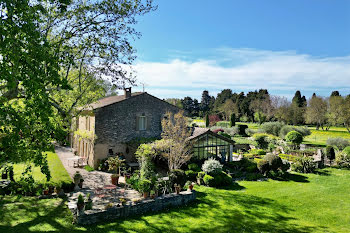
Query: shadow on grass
[(233, 186), (292, 177), (214, 210), (322, 172)]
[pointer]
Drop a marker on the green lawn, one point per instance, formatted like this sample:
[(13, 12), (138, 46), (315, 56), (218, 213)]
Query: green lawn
[(58, 172), (305, 203), (319, 137)]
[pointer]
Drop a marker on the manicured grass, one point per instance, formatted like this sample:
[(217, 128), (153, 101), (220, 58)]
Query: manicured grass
[(58, 172), (303, 203), (319, 137)]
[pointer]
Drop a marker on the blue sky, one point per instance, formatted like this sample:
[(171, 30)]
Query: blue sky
[(191, 45)]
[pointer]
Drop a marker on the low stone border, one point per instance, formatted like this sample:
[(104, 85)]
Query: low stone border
[(131, 209)]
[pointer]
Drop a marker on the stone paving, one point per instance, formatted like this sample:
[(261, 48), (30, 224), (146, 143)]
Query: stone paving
[(93, 183)]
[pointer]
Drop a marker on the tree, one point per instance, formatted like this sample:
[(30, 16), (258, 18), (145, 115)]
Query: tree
[(190, 105), (28, 66), (335, 93), (259, 117), (205, 102), (335, 110), (316, 112), (233, 120), (207, 122), (221, 98), (175, 131), (228, 108), (92, 40)]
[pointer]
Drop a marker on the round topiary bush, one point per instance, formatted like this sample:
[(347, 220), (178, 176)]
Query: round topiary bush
[(193, 167), (191, 175), (212, 166), (264, 167), (274, 161), (208, 180), (294, 137), (261, 140)]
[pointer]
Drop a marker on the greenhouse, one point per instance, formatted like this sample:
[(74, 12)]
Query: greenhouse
[(207, 144)]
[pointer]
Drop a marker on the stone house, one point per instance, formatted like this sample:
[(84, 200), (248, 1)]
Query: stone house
[(105, 127)]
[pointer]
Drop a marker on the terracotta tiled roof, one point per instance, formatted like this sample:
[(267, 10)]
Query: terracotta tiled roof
[(110, 100)]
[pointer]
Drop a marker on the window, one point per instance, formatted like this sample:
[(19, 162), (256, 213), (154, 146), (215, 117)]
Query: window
[(142, 123)]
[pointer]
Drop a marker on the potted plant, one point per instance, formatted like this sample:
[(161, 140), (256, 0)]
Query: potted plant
[(77, 177), (88, 202), (145, 187), (189, 184), (45, 189), (200, 176), (80, 202), (114, 164), (153, 194), (177, 188)]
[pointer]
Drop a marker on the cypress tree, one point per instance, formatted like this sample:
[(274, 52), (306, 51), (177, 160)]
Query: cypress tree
[(233, 120), (207, 120)]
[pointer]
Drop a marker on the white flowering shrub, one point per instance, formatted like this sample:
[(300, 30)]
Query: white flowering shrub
[(212, 166)]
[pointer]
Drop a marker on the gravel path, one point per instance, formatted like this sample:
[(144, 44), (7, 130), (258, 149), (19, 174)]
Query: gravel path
[(92, 179)]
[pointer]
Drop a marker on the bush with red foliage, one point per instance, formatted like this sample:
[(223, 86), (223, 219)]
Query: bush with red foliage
[(213, 119), (218, 130)]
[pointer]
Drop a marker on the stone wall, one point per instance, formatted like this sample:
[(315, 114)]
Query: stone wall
[(117, 123), (132, 209)]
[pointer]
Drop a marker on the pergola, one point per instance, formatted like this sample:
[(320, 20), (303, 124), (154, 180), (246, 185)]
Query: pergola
[(207, 144)]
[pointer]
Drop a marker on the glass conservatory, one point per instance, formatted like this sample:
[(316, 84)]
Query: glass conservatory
[(208, 144)]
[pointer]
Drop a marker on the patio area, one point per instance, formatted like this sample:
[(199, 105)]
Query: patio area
[(97, 184)]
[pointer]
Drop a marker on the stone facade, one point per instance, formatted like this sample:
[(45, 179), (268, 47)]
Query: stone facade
[(131, 209), (116, 124)]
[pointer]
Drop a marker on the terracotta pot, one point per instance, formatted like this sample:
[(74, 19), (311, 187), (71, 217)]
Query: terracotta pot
[(145, 194), (46, 192), (115, 179), (153, 196), (190, 187)]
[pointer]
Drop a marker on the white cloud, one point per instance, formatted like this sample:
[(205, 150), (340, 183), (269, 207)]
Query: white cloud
[(244, 70)]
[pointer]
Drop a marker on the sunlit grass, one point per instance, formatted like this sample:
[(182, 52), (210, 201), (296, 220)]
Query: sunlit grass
[(303, 203), (58, 172)]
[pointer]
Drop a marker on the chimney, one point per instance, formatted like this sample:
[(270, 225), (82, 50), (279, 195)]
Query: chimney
[(127, 92)]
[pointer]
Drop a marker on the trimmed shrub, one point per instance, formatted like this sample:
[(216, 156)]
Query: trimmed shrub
[(340, 143), (257, 152), (223, 124), (250, 132), (275, 162), (287, 128), (343, 159), (222, 179), (330, 152), (212, 166), (193, 167), (261, 140), (273, 128), (294, 137), (241, 130), (347, 150), (264, 167), (304, 165), (232, 120), (191, 175), (225, 135), (178, 176), (209, 180), (291, 158), (230, 131)]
